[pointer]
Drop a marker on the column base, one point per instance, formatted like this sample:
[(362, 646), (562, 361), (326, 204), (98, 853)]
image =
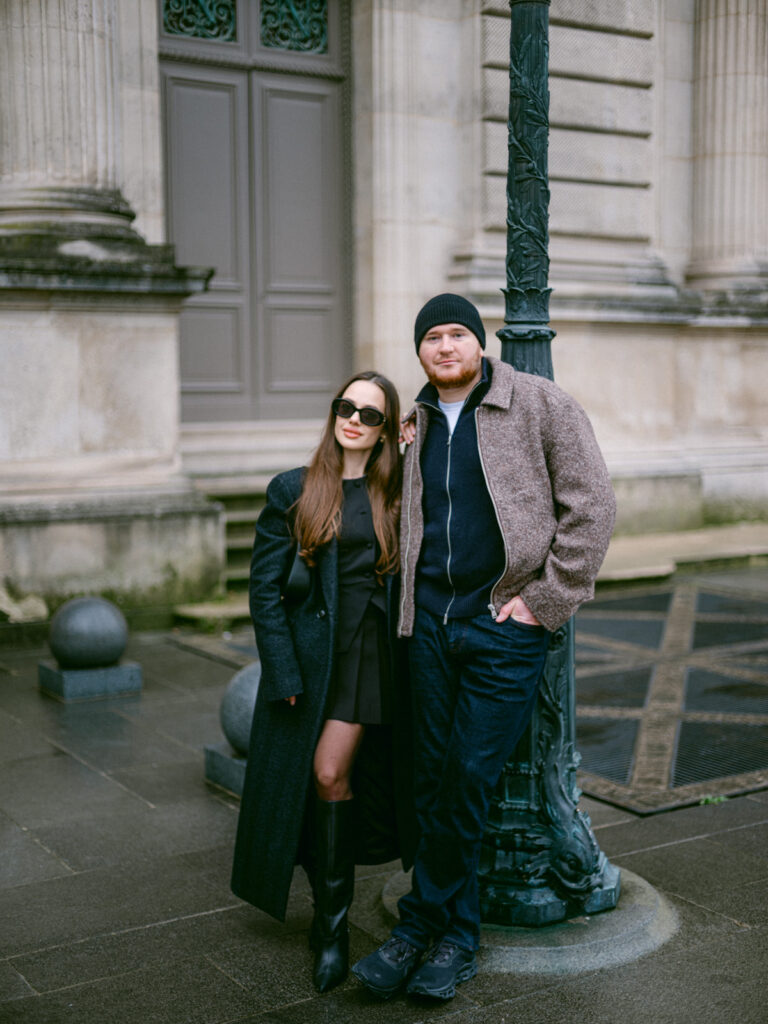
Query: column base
[(145, 550)]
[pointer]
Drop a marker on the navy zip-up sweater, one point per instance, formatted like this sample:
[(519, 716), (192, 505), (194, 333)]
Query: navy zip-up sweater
[(462, 553)]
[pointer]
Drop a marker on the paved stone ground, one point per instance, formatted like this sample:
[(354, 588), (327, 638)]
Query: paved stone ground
[(115, 903)]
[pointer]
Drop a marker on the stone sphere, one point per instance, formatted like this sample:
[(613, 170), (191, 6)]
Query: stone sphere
[(88, 632), (237, 704)]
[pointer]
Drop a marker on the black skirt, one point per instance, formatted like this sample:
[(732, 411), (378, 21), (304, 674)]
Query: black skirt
[(361, 686)]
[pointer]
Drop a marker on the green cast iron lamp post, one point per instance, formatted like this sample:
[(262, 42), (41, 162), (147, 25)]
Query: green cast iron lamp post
[(540, 862)]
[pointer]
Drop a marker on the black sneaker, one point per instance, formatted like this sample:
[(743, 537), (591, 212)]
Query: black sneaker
[(446, 967), (388, 968)]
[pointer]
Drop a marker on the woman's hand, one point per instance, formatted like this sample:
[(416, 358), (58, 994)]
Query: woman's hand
[(518, 610), (408, 429), (291, 701)]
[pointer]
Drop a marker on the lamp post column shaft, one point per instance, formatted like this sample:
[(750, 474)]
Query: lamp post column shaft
[(540, 861)]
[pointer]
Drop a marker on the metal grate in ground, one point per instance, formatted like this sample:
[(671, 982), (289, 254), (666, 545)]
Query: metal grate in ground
[(611, 745), (672, 693), (715, 750)]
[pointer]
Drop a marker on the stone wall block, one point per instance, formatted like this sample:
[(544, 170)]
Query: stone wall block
[(601, 106), (33, 424), (600, 158), (578, 104), (610, 56), (576, 52), (575, 208), (637, 16)]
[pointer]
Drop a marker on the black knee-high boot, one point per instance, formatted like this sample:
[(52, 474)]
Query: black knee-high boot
[(334, 882)]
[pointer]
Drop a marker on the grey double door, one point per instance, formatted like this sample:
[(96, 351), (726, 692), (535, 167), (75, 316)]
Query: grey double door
[(256, 187)]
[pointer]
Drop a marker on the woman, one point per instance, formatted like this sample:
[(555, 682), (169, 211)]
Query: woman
[(328, 778)]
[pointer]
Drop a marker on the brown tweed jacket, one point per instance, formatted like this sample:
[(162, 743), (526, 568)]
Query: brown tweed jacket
[(550, 488)]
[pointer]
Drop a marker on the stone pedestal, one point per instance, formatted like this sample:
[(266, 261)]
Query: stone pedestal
[(225, 762), (88, 636), (89, 683), (225, 768)]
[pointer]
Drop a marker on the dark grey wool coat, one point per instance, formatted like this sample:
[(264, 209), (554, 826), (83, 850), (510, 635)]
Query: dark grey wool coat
[(296, 643)]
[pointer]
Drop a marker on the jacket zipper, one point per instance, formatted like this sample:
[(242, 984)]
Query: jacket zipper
[(448, 530), (403, 587), (403, 582), (491, 605), (450, 504)]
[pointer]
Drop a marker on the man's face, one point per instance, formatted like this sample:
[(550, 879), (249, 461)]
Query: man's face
[(451, 356)]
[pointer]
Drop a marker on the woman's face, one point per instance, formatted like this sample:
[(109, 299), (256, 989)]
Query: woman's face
[(352, 434)]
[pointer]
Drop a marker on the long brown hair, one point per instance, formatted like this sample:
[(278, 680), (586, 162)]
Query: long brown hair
[(317, 513)]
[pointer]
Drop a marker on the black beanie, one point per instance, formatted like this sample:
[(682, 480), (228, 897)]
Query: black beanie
[(448, 309)]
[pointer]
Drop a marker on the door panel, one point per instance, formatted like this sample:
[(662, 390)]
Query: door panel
[(311, 331), (300, 234), (212, 355), (298, 187), (207, 168), (204, 168)]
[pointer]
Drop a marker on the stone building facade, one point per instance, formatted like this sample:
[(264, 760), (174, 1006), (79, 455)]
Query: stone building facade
[(334, 163)]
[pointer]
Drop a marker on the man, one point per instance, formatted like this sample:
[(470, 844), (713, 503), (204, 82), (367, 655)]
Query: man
[(506, 516)]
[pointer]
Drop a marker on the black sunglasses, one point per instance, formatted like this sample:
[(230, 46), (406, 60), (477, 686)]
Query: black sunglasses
[(368, 415)]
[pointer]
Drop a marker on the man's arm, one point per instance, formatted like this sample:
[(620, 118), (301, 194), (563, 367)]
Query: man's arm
[(585, 509)]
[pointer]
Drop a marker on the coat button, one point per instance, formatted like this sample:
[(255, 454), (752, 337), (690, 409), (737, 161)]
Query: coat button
[(321, 613)]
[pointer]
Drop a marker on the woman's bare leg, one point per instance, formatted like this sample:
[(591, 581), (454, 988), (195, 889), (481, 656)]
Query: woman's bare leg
[(334, 757), (333, 877)]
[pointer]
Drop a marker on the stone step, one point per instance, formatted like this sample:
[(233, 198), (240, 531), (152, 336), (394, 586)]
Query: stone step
[(237, 516), (239, 543), (657, 555), (219, 614), (237, 574)]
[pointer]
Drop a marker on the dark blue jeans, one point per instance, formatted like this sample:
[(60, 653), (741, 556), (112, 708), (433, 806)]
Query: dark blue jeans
[(474, 685)]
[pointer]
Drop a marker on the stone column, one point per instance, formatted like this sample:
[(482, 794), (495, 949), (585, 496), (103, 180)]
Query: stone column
[(730, 201), (59, 127)]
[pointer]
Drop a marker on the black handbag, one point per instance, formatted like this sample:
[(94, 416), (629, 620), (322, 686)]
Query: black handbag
[(299, 581)]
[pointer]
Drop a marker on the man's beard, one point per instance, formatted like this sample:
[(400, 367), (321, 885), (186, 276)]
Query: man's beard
[(461, 379)]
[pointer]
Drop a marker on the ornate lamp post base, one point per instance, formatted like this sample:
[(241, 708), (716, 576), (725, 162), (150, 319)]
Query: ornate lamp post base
[(532, 906), (540, 862)]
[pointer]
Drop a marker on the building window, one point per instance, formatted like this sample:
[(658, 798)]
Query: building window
[(201, 19), (295, 25)]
